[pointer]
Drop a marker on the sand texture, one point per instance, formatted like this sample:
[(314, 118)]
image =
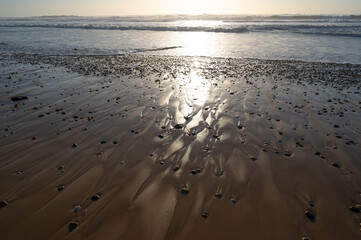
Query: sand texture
[(146, 147)]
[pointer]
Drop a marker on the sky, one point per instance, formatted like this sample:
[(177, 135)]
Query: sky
[(22, 8)]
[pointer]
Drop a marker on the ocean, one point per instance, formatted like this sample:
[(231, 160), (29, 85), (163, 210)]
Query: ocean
[(293, 37)]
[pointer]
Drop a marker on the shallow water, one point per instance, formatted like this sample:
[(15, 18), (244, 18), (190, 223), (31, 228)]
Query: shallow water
[(310, 38)]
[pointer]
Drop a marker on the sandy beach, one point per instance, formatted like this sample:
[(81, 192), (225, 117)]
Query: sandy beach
[(159, 147)]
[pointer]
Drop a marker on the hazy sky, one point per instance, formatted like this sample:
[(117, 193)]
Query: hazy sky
[(146, 7)]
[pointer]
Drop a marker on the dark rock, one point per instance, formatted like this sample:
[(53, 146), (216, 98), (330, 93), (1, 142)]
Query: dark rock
[(72, 225), (355, 209), (19, 98), (178, 126), (3, 203), (184, 191), (336, 165), (310, 216), (95, 197)]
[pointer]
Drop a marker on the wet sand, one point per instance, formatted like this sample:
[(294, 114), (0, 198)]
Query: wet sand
[(147, 147)]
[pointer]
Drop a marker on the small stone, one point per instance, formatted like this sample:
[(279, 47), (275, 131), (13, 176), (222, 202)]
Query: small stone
[(61, 167), (310, 216), (355, 209), (103, 142), (19, 98), (95, 197), (336, 165), (115, 142), (3, 203), (178, 126), (336, 126), (72, 225), (61, 188), (234, 200), (253, 158), (218, 195), (121, 163), (99, 153), (184, 191), (34, 138), (175, 169), (77, 208), (204, 215), (306, 238), (160, 136), (74, 145), (288, 154)]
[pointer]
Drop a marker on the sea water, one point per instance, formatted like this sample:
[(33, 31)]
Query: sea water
[(299, 37)]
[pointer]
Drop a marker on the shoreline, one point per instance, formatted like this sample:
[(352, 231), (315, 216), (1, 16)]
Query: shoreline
[(154, 147)]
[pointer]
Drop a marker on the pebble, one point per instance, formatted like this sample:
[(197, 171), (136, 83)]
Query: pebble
[(355, 209), (253, 158), (310, 216), (184, 191), (175, 169), (95, 197), (72, 225), (306, 238), (336, 165), (74, 145), (218, 195), (77, 208), (121, 163), (19, 98), (103, 142), (160, 136), (204, 215), (61, 188), (34, 138), (178, 126), (3, 203), (234, 200)]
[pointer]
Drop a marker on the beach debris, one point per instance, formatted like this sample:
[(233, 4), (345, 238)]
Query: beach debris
[(3, 203)]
